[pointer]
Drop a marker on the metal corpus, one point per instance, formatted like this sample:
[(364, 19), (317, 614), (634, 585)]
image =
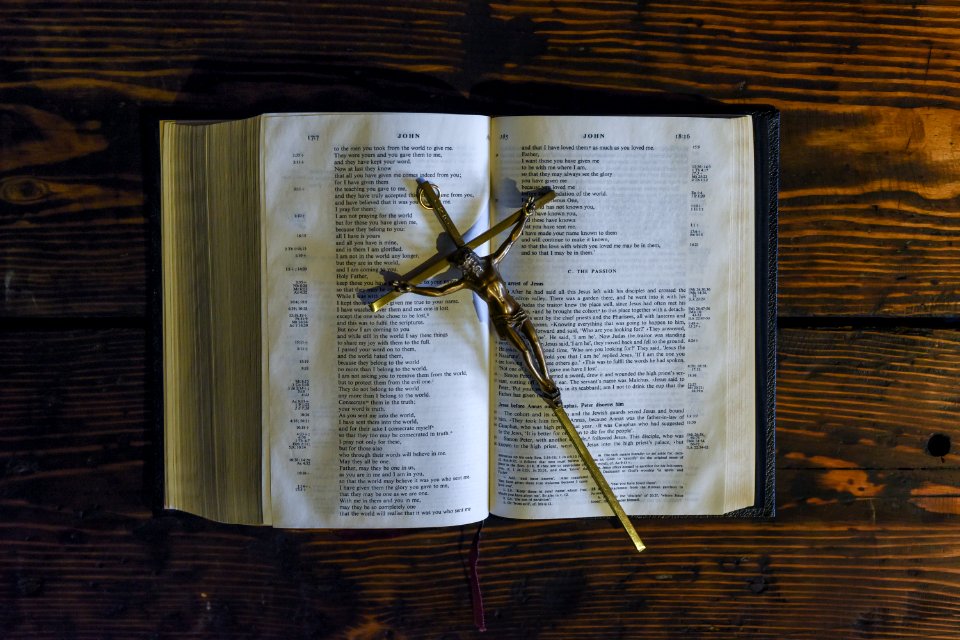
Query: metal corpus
[(438, 262), (511, 322)]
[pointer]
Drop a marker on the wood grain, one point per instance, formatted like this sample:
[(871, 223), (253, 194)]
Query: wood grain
[(869, 213), (868, 94), (842, 579), (865, 543), (862, 546), (867, 399)]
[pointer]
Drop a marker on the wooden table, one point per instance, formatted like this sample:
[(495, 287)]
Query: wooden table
[(866, 543)]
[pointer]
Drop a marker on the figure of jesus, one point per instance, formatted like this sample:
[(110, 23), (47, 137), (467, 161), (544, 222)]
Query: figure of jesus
[(481, 276)]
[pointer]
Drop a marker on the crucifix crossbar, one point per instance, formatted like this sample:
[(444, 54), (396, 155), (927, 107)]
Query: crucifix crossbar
[(440, 261)]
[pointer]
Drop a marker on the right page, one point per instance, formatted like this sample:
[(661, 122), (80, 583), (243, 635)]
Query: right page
[(639, 278)]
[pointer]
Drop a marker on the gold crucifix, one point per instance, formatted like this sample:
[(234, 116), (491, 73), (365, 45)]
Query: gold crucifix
[(511, 322)]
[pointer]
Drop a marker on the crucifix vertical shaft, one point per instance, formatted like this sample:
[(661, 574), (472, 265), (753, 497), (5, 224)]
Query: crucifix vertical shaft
[(511, 322)]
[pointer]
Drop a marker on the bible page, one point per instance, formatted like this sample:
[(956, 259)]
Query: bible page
[(639, 280), (375, 420)]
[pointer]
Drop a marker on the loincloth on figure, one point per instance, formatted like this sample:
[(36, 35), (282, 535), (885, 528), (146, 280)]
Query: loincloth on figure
[(510, 320)]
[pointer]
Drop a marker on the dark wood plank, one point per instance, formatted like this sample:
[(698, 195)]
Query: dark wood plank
[(75, 428), (868, 93), (867, 424), (568, 579), (73, 235), (828, 494), (868, 399), (861, 546), (870, 214)]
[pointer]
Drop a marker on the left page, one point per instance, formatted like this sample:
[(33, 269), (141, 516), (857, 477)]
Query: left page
[(374, 420)]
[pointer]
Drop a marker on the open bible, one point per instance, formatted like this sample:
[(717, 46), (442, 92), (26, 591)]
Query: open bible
[(288, 402)]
